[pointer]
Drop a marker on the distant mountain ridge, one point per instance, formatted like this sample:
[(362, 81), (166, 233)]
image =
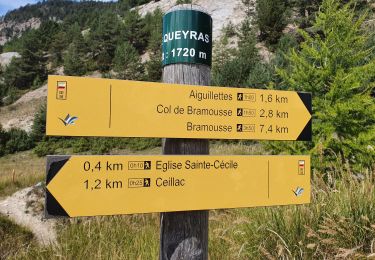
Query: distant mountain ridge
[(15, 22)]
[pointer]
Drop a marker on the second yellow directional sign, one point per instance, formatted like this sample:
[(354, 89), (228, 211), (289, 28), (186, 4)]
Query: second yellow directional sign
[(118, 108), (109, 185)]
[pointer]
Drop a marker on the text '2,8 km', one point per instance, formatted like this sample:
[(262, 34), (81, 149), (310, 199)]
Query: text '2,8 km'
[(120, 108)]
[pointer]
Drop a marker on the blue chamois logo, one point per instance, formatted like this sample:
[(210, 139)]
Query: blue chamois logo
[(298, 192), (69, 120)]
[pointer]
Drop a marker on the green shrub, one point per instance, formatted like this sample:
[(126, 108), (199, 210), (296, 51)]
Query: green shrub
[(45, 148), (14, 140), (232, 67), (271, 19), (3, 140), (139, 144), (17, 140), (334, 65), (180, 2), (38, 130)]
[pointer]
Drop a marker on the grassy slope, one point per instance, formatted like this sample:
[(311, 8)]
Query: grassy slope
[(339, 222), (19, 171), (14, 239)]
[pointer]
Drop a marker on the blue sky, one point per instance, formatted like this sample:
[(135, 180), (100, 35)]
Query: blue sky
[(7, 5)]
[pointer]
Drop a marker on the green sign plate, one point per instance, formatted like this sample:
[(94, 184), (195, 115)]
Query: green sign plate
[(187, 37)]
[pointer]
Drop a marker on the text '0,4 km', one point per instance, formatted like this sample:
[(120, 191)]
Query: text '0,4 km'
[(109, 185)]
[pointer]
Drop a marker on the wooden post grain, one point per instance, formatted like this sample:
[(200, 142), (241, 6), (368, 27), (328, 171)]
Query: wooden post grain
[(184, 235)]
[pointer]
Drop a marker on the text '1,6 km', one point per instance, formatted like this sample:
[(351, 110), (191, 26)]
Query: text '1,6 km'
[(120, 108), (109, 185)]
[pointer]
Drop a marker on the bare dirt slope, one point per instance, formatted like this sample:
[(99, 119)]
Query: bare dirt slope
[(25, 208), (21, 113), (222, 11), (6, 58)]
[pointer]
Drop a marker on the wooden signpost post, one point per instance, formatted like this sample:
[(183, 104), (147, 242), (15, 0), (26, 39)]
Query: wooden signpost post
[(184, 182), (184, 235)]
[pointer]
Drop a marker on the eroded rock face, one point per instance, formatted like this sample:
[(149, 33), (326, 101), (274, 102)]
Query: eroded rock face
[(222, 11), (6, 58), (12, 29), (25, 207)]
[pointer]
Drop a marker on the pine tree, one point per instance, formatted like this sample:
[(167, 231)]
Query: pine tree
[(271, 19), (154, 66), (15, 76), (104, 38), (74, 59), (75, 36), (74, 64), (47, 32), (233, 67), (135, 31), (38, 131), (308, 8), (34, 57), (127, 62), (333, 64), (22, 72), (58, 45)]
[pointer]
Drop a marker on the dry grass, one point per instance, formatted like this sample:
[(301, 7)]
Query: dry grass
[(236, 149), (339, 223), (14, 239), (114, 237), (19, 171)]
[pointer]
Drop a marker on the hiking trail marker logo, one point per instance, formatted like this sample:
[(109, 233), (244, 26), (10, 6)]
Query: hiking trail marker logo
[(301, 167), (62, 90), (96, 185), (121, 108), (69, 120)]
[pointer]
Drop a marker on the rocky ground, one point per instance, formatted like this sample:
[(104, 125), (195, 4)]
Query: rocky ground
[(222, 11), (6, 57), (21, 113), (16, 28), (26, 208)]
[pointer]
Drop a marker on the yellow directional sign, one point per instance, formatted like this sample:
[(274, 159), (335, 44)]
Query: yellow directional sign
[(120, 108), (109, 185)]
